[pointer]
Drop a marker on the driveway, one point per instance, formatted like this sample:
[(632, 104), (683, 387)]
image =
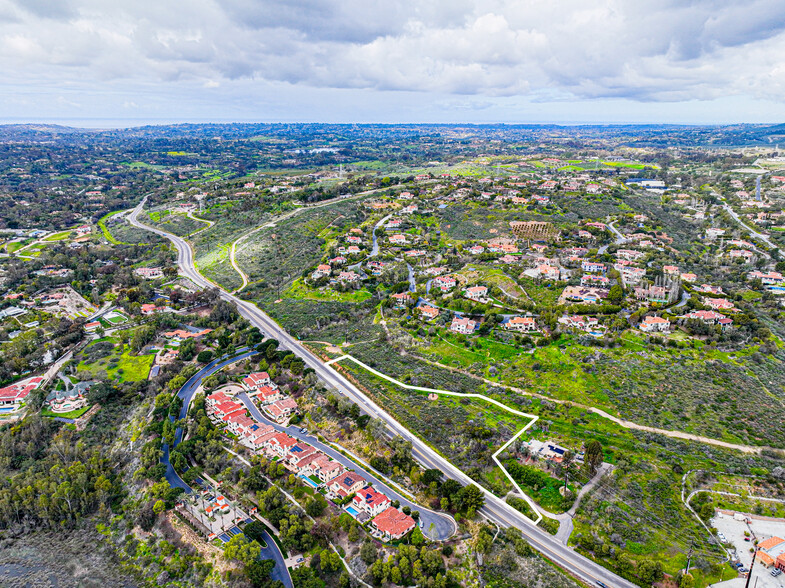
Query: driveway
[(434, 525)]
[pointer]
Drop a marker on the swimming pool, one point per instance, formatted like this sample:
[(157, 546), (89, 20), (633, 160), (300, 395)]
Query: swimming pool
[(352, 511), (309, 481), (4, 409)]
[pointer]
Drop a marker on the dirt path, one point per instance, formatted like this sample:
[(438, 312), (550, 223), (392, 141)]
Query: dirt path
[(621, 422)]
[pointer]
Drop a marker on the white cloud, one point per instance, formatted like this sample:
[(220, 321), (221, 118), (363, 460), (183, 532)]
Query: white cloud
[(670, 50)]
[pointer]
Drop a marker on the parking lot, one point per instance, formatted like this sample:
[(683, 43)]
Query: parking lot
[(733, 530)]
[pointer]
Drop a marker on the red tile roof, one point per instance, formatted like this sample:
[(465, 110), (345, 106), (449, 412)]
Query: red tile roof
[(394, 522)]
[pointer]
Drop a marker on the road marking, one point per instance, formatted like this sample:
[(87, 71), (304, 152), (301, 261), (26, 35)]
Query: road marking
[(534, 418)]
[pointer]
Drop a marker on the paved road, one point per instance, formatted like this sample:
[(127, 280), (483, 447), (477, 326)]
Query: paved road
[(272, 551), (757, 235), (434, 525), (620, 239), (187, 392), (495, 508)]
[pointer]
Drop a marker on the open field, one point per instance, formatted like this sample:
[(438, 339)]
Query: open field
[(300, 290), (117, 364)]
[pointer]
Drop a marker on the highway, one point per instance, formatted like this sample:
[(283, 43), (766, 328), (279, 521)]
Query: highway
[(495, 508), (434, 525)]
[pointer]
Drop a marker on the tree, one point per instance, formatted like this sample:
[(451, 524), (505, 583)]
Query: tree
[(259, 571), (159, 507), (254, 531), (368, 553), (615, 294), (316, 506), (471, 499), (146, 516), (304, 577), (593, 456), (687, 581), (650, 571), (242, 550), (431, 475), (204, 356)]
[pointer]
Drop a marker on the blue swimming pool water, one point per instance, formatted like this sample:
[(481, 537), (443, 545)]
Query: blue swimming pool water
[(352, 511), (309, 481), (6, 409)]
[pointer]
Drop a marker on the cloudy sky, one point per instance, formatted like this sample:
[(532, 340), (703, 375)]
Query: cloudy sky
[(698, 61)]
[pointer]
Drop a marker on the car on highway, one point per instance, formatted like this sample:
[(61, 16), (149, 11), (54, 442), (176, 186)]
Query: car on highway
[(601, 584)]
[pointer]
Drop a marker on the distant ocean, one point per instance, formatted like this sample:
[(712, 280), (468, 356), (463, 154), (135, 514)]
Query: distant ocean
[(117, 123)]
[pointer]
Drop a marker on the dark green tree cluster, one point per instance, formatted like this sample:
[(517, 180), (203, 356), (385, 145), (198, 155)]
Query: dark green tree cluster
[(49, 478)]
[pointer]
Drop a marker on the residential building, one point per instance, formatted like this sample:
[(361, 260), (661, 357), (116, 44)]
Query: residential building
[(444, 283), (428, 312), (256, 380), (652, 324), (149, 273), (520, 324), (548, 272), (280, 410), (347, 483), (349, 277), (392, 524), (465, 326), (370, 501), (593, 267), (322, 271), (595, 280), (478, 293), (267, 394), (401, 299)]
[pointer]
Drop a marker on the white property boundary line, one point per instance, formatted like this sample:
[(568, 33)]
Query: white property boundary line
[(534, 419)]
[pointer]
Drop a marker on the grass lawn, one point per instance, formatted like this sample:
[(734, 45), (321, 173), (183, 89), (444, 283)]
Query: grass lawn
[(116, 319), (121, 366), (546, 492), (446, 349), (545, 293), (107, 234), (16, 245), (74, 414), (300, 290), (62, 236)]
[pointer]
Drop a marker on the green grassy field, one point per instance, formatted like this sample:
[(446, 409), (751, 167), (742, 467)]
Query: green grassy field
[(105, 231), (61, 236), (74, 414), (654, 526), (120, 365), (301, 291)]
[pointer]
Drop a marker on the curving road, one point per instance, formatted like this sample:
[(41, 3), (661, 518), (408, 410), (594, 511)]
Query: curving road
[(495, 508), (434, 525), (279, 572)]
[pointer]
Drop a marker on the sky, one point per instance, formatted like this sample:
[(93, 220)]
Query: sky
[(112, 62)]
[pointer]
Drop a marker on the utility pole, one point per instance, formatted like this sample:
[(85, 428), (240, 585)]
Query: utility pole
[(689, 560), (749, 574)]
